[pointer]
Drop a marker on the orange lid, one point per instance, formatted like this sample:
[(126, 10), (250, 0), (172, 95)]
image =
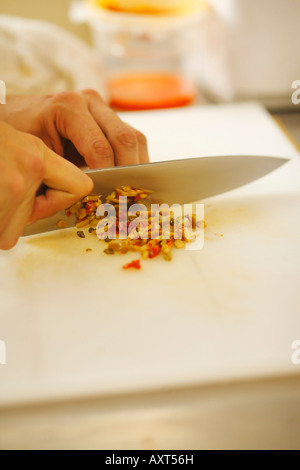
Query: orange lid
[(142, 90), (150, 7)]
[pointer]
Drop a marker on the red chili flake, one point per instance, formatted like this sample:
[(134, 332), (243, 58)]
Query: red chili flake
[(155, 251), (90, 207), (68, 213), (134, 264), (137, 198)]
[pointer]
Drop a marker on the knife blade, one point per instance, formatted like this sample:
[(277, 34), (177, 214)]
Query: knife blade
[(177, 181)]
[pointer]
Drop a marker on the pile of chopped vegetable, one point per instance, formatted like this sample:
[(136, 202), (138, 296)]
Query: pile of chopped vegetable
[(146, 244)]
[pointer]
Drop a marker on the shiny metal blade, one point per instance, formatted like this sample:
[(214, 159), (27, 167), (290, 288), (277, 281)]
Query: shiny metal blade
[(177, 181)]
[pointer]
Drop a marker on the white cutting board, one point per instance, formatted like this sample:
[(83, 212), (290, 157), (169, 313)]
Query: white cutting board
[(75, 324)]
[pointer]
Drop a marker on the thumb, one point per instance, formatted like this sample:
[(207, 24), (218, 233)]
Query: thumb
[(66, 185)]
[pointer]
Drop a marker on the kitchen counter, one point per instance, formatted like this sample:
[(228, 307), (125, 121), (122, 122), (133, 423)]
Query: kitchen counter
[(291, 123), (246, 415)]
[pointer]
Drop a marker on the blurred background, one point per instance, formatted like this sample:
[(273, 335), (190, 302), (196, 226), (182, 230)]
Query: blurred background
[(56, 12), (192, 50)]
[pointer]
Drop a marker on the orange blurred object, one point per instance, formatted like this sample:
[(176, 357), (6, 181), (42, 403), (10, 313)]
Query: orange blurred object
[(141, 11), (151, 7), (150, 90)]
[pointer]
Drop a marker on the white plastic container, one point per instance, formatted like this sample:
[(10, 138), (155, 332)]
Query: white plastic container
[(160, 45)]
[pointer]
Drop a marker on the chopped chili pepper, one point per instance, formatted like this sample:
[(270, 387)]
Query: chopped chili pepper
[(134, 264), (151, 229), (90, 207), (154, 251)]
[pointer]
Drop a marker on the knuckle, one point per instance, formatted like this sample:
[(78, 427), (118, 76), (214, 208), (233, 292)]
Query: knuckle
[(102, 148), (126, 137), (65, 98), (38, 168), (92, 94), (141, 138)]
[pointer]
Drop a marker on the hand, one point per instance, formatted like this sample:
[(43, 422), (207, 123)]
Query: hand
[(25, 163), (77, 124)]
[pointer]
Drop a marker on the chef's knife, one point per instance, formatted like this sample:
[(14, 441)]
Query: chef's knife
[(177, 181)]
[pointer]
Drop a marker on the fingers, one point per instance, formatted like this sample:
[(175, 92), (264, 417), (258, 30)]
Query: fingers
[(66, 185), (16, 223), (96, 131), (21, 172), (121, 136), (142, 146), (14, 211), (75, 123), (26, 164), (129, 145), (51, 202)]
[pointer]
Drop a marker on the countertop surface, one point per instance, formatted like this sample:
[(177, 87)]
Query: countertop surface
[(248, 415), (261, 414), (291, 122)]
